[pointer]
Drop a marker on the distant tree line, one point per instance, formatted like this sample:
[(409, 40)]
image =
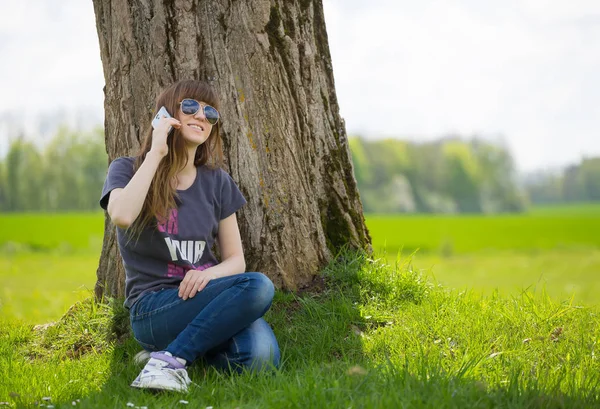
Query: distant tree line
[(450, 175), (577, 183), (66, 174)]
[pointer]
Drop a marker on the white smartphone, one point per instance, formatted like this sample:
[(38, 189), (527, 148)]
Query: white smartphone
[(161, 112)]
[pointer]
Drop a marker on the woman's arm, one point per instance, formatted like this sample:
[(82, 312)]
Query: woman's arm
[(232, 256), (125, 205), (230, 247)]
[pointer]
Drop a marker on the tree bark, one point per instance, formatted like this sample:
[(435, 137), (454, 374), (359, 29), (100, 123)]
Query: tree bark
[(285, 143)]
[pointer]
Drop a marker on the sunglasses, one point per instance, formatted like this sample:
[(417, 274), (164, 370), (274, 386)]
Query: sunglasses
[(191, 107)]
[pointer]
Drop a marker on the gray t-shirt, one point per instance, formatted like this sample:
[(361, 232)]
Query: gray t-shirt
[(164, 252)]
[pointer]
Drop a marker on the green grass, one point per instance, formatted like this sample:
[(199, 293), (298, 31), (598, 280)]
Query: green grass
[(451, 235), (377, 337), (562, 274), (555, 248), (63, 232), (40, 287), (573, 209), (47, 262)]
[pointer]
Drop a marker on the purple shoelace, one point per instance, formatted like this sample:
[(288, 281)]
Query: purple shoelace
[(173, 363)]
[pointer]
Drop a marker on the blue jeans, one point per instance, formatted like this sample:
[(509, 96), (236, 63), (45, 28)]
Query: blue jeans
[(222, 323)]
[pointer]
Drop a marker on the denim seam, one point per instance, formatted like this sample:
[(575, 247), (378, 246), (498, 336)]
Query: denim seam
[(152, 332), (156, 311), (145, 344), (237, 353), (237, 348)]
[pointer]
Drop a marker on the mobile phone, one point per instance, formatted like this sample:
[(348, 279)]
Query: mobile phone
[(161, 112)]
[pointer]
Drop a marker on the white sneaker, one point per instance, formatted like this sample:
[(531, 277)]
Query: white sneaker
[(142, 357), (163, 372)]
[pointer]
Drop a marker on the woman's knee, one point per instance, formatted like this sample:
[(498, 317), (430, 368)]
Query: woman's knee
[(262, 290), (264, 350), (254, 348), (265, 357)]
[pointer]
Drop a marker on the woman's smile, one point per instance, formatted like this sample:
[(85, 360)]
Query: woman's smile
[(197, 126)]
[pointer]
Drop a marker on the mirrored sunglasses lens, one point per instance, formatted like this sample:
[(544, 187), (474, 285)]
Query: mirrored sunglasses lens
[(189, 106), (211, 114)]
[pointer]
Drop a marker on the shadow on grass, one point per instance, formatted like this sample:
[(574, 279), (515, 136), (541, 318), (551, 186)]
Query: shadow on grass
[(327, 359)]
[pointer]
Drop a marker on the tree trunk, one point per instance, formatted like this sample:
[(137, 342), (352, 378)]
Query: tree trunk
[(284, 141)]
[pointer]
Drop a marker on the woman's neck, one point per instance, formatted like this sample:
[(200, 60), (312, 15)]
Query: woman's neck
[(190, 167), (186, 176)]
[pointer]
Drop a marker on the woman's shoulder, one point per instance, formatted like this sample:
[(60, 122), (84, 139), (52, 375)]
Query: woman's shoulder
[(124, 159), (215, 172), (122, 163), (216, 177)]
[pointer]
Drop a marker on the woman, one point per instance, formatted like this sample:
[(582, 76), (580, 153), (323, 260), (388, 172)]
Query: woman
[(170, 204)]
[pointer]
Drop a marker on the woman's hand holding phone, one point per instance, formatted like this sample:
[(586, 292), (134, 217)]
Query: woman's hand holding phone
[(162, 124)]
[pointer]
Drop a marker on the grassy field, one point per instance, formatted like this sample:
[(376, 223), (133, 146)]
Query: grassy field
[(38, 287), (49, 261), (542, 230), (377, 337), (562, 274), (551, 249), (64, 233), (383, 334)]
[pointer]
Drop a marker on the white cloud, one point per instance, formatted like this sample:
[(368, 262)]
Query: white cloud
[(524, 70), (52, 56)]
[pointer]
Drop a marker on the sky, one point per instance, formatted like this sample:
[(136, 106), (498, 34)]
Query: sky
[(522, 73)]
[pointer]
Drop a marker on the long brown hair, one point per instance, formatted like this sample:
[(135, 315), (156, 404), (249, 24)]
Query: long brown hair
[(163, 192)]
